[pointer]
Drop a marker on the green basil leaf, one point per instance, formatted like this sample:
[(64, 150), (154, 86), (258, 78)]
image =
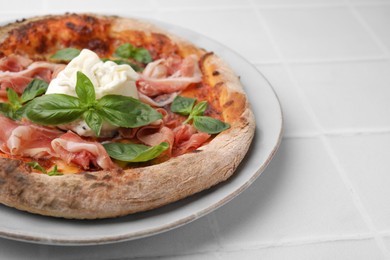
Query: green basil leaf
[(54, 172), (209, 125), (13, 98), (19, 113), (37, 166), (54, 109), (128, 51), (36, 87), (84, 89), (199, 109), (6, 110), (142, 55), (134, 152), (124, 51), (94, 121), (66, 54), (182, 105), (126, 111)]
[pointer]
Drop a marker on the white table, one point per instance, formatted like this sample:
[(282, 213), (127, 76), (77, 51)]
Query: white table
[(326, 194)]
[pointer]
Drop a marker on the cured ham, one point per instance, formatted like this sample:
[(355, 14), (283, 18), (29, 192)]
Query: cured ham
[(72, 148), (159, 101), (154, 136), (19, 79), (167, 76), (187, 139), (26, 139), (14, 63)]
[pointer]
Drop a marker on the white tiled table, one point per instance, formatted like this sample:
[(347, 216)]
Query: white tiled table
[(326, 195)]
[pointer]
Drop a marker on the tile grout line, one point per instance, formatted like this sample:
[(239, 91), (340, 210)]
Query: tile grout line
[(215, 231), (368, 28), (338, 133), (322, 61), (355, 197), (258, 246)]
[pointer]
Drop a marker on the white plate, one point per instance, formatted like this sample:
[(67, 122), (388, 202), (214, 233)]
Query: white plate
[(23, 226)]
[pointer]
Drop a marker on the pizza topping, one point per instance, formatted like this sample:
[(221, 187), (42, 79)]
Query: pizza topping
[(107, 77), (37, 166), (66, 54), (118, 110), (72, 148), (188, 139), (128, 51), (96, 98), (158, 77), (23, 139), (14, 63), (155, 135), (206, 124), (19, 80), (134, 152)]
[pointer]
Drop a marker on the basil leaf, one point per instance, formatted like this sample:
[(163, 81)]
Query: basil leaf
[(134, 152), (37, 166), (128, 51), (126, 111), (182, 105), (209, 125), (94, 121), (19, 113), (54, 109), (142, 55), (66, 54), (54, 172), (84, 89), (36, 87), (199, 109), (6, 110), (13, 98), (124, 51)]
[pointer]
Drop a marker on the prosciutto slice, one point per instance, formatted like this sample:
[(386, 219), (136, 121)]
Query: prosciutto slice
[(158, 77), (19, 79), (72, 148), (187, 139), (14, 63), (26, 139)]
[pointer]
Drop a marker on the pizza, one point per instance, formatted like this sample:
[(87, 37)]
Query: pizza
[(104, 116)]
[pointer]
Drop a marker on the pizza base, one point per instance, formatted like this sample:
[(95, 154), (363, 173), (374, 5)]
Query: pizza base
[(107, 194)]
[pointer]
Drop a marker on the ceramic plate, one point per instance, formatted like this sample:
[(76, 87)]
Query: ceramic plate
[(24, 226)]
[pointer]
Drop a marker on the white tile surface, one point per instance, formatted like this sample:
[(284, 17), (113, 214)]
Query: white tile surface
[(347, 96), (299, 196), (376, 17), (345, 250), (196, 237), (329, 62), (17, 6), (296, 118), (205, 4), (92, 6), (365, 159), (226, 26), (312, 33)]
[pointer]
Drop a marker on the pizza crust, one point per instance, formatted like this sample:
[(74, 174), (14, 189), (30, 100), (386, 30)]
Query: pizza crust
[(106, 194)]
